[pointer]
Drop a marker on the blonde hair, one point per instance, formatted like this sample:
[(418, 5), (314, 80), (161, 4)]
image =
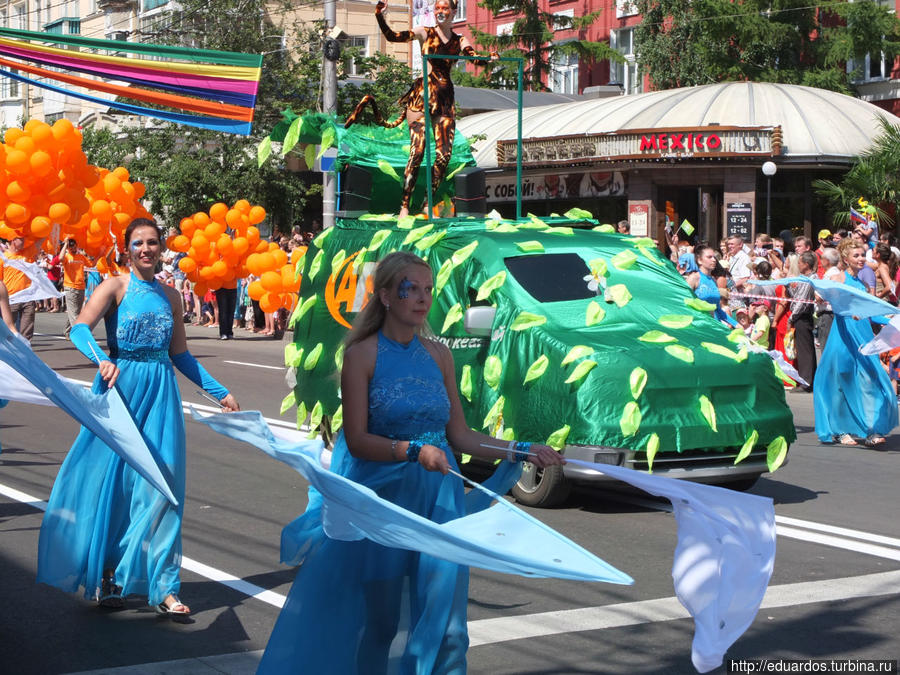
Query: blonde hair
[(845, 245), (388, 274)]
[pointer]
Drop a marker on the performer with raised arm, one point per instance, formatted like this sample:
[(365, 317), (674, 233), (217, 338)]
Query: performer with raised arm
[(106, 528), (437, 40)]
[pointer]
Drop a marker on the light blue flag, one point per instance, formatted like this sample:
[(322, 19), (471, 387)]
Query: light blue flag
[(845, 300), (104, 415), (353, 511)]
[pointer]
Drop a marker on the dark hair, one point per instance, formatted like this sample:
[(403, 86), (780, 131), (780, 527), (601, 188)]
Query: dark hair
[(763, 269), (810, 259), (141, 222)]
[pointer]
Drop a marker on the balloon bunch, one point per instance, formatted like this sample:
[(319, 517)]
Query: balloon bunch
[(112, 205), (278, 283), (43, 177)]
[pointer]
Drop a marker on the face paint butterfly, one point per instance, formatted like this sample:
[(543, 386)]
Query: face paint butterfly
[(403, 288)]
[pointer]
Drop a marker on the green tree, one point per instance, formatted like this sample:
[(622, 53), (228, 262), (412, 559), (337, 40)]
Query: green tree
[(681, 43), (533, 37)]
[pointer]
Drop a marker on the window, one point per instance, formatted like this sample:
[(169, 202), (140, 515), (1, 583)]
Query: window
[(626, 75), (552, 277), (147, 5), (19, 21), (872, 68), (564, 73), (461, 11), (9, 88), (625, 8), (358, 43), (505, 28)]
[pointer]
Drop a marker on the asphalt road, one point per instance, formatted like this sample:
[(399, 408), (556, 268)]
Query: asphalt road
[(834, 593)]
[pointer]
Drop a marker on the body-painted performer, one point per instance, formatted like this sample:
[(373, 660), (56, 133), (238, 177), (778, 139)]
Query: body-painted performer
[(853, 397), (402, 414), (438, 40), (106, 528)]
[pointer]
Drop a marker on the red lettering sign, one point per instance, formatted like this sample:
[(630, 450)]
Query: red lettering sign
[(682, 141), (649, 143)]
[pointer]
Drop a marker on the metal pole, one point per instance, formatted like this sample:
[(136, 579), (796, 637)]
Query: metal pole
[(329, 106), (519, 145), (769, 205)]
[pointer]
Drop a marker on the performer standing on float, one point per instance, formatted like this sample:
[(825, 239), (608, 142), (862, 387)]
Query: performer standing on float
[(438, 40)]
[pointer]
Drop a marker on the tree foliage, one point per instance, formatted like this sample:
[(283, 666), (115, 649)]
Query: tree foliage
[(533, 37), (681, 43)]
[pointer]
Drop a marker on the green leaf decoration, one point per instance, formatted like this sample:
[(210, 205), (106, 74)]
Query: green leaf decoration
[(491, 224), (315, 419), (319, 240), (598, 267), (416, 234), (530, 246), (618, 294), (465, 382), (263, 150), (360, 260), (316, 264), (709, 412), (293, 355), (327, 141), (388, 170), (463, 254), (506, 227), (737, 336), (406, 222), (337, 420), (747, 447), (338, 260), (527, 320), (302, 414), (378, 239), (426, 243), (577, 214), (309, 156), (581, 370), (680, 352), (557, 439), (493, 369), (594, 314), (631, 419), (455, 171), (443, 276), (566, 231), (494, 413), (339, 357), (291, 137), (652, 256), (508, 434), (721, 350), (699, 305), (607, 229), (536, 224), (651, 449), (537, 221), (657, 336), (743, 354), (675, 320), (577, 352), (643, 242), (624, 260), (776, 453), (301, 309), (637, 381), (313, 357), (454, 314), (464, 458), (288, 402), (781, 375), (491, 285), (536, 369)]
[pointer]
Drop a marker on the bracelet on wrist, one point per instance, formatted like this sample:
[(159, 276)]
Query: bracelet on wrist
[(394, 442), (522, 450), (413, 450)]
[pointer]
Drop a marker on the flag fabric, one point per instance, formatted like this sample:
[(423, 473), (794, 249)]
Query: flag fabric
[(40, 287), (857, 217), (686, 227), (886, 340), (14, 387), (845, 300)]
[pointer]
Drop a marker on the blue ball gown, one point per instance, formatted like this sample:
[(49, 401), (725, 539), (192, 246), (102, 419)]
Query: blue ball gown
[(852, 393), (357, 606), (102, 514)]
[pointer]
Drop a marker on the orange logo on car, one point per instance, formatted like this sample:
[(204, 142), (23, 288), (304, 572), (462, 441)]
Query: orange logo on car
[(348, 289)]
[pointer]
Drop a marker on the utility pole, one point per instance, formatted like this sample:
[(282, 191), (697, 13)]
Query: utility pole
[(329, 106)]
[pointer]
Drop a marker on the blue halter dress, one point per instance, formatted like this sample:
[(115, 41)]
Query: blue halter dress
[(852, 393), (357, 606), (102, 514)]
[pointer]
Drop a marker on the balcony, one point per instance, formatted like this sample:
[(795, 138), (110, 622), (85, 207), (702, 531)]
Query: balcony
[(67, 25)]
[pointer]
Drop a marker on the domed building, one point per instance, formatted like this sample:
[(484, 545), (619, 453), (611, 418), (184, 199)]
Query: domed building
[(694, 153)]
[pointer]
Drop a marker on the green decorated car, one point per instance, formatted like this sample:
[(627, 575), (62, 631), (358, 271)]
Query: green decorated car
[(563, 332)]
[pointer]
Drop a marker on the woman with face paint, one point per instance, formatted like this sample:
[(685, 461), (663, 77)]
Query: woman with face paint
[(107, 529), (355, 602)]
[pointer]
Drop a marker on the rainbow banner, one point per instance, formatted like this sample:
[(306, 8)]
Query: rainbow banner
[(199, 87)]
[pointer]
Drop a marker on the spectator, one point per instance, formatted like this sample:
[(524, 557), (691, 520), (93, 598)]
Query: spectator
[(825, 241), (759, 314), (743, 320), (831, 260), (885, 272), (739, 262), (623, 227), (801, 320), (16, 280), (54, 274), (73, 264), (839, 235)]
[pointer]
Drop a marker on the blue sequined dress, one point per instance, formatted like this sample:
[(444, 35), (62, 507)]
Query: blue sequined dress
[(101, 514), (852, 392), (357, 606)]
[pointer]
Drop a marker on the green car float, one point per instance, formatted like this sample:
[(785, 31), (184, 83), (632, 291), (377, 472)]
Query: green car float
[(562, 332)]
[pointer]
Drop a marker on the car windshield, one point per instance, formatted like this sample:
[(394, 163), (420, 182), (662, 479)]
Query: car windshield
[(553, 277)]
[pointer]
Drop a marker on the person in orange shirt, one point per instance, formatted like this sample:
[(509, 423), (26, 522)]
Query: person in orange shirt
[(74, 284), (6, 317), (15, 281)]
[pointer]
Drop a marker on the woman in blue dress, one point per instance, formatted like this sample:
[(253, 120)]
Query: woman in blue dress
[(852, 396), (705, 286), (357, 606), (106, 529)]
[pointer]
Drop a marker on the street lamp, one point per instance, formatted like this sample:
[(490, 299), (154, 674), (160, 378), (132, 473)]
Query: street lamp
[(769, 169)]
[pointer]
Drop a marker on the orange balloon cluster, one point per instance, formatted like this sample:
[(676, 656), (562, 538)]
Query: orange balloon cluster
[(112, 205), (43, 177), (277, 286), (215, 257)]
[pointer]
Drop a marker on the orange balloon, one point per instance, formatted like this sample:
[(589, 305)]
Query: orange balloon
[(288, 300), (255, 290), (269, 303), (16, 214), (41, 226), (243, 206), (25, 144), (271, 281), (206, 273), (60, 212), (287, 277), (180, 243), (18, 191), (200, 289), (43, 135), (256, 215), (214, 230), (11, 136), (266, 262), (262, 247), (121, 173), (102, 267), (200, 242), (40, 162), (101, 210), (17, 161), (187, 227), (139, 189), (281, 257), (233, 219), (63, 129), (253, 235), (187, 265), (224, 245), (219, 268), (252, 264), (218, 211), (201, 219), (240, 245)]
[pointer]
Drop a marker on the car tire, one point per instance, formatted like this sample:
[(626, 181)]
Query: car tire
[(544, 488)]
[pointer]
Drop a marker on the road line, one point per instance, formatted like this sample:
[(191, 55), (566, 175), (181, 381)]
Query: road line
[(842, 531), (837, 542), (255, 365), (52, 337)]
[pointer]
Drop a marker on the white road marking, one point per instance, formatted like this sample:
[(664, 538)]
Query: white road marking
[(255, 365), (842, 531)]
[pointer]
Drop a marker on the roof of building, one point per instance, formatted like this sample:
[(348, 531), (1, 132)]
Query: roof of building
[(816, 124)]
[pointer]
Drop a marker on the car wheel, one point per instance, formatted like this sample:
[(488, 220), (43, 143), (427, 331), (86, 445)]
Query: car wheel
[(541, 487)]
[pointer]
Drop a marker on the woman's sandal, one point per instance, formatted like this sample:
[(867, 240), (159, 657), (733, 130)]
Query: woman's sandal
[(177, 610), (846, 439), (110, 595), (874, 440)]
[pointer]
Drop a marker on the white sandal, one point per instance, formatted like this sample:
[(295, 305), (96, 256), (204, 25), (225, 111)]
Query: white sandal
[(177, 610)]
